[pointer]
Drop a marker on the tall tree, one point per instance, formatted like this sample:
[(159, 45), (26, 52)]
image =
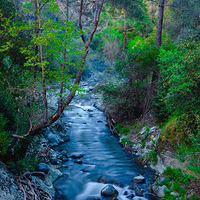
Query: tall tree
[(155, 75), (66, 101)]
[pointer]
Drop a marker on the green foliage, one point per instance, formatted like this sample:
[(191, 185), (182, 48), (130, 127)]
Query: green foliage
[(180, 74), (125, 130), (152, 156), (184, 18), (176, 181), (191, 153), (178, 175), (4, 136), (28, 163), (125, 141), (143, 143), (178, 96)]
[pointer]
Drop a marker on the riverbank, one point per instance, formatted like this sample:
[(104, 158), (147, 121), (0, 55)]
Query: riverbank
[(150, 143), (72, 161)]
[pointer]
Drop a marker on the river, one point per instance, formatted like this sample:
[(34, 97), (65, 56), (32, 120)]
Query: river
[(99, 158)]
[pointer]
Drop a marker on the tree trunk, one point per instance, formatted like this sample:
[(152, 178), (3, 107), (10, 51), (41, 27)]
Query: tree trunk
[(125, 30), (36, 53), (67, 10), (155, 75), (160, 23), (38, 127), (151, 90), (44, 93)]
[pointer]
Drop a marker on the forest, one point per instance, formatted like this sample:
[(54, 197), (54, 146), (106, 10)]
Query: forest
[(143, 58)]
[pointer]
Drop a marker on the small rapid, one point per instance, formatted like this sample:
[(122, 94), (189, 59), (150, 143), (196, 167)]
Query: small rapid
[(96, 158)]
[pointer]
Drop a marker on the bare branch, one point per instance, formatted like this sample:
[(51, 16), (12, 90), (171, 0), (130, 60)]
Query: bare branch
[(43, 5)]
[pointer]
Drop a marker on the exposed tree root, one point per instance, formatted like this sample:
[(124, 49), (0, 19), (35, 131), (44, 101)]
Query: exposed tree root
[(31, 189)]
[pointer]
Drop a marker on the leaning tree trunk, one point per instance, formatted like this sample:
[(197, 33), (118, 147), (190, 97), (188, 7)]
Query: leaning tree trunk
[(38, 127)]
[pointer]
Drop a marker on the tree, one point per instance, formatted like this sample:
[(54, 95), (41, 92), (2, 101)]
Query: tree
[(63, 101), (155, 75), (184, 18)]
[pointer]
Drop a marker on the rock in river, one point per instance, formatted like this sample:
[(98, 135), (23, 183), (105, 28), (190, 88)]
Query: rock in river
[(138, 179), (78, 161), (77, 156), (109, 191), (43, 168)]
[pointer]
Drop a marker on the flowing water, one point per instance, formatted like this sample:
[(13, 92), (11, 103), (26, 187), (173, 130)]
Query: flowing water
[(103, 156)]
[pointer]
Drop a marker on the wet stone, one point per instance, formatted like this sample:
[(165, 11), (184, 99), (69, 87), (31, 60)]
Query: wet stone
[(65, 159), (130, 196), (76, 156), (54, 161), (84, 170), (138, 179), (139, 192), (103, 179), (64, 153), (43, 168), (109, 191), (78, 161)]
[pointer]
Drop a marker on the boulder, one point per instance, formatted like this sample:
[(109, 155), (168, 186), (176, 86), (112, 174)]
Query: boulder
[(43, 168), (8, 186), (139, 179), (58, 133), (159, 190), (109, 191)]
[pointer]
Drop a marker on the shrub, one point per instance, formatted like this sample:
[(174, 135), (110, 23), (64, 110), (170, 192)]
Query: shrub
[(28, 163), (4, 137)]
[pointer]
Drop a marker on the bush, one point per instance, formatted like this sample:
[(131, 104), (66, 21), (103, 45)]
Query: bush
[(4, 136), (177, 181), (28, 163)]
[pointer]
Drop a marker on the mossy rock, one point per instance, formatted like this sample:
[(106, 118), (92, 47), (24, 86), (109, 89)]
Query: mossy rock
[(171, 135)]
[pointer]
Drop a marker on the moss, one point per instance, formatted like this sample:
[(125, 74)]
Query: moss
[(170, 136)]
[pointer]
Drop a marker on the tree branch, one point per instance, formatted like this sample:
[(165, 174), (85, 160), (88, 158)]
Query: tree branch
[(70, 96), (43, 5)]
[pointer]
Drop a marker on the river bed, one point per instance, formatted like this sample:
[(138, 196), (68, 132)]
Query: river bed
[(96, 158)]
